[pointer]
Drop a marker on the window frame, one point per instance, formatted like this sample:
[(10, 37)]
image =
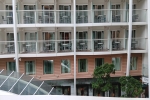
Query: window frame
[(79, 68), (52, 67), (131, 67), (8, 68), (29, 73), (119, 63), (68, 70)]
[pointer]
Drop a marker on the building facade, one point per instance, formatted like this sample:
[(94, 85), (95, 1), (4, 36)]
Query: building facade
[(62, 41)]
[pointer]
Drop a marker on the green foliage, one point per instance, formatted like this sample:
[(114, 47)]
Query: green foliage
[(102, 79), (131, 86)]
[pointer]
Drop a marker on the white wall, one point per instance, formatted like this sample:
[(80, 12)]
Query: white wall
[(55, 97)]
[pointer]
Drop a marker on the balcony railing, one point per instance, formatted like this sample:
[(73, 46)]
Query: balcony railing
[(82, 16), (101, 45), (118, 44), (7, 47), (6, 17), (138, 44), (139, 15), (44, 16), (27, 47), (65, 45), (86, 45), (66, 16), (83, 45), (46, 46)]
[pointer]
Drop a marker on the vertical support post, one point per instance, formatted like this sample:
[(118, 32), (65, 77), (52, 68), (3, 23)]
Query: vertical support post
[(129, 37), (148, 18), (15, 35), (74, 10)]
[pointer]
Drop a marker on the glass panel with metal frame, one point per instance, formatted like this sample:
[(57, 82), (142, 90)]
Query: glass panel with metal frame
[(29, 14), (64, 13)]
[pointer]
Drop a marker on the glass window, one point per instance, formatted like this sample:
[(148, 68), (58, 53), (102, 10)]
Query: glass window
[(11, 66), (30, 67), (116, 62), (99, 62), (133, 63), (48, 66), (65, 66), (82, 63)]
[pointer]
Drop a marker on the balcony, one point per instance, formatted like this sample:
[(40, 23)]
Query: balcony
[(101, 45), (138, 44), (7, 47), (27, 47), (83, 45), (65, 45), (109, 46), (6, 17), (46, 46), (139, 15), (66, 16), (118, 44), (44, 17)]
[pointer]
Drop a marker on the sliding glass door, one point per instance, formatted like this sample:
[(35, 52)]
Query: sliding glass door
[(30, 44), (49, 43), (65, 41)]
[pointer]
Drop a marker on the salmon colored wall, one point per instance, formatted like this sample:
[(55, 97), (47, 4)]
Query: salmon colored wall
[(91, 65)]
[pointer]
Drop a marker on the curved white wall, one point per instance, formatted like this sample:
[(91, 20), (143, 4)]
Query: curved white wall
[(6, 93)]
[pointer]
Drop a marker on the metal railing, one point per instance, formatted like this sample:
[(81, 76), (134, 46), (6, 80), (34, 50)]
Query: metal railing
[(90, 45), (66, 16)]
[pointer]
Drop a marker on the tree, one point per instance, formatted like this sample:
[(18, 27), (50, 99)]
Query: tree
[(102, 79), (131, 86)]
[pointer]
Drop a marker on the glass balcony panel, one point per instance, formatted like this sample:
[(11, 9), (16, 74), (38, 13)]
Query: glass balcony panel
[(46, 17), (83, 45), (82, 16), (64, 16), (100, 16), (46, 46), (101, 45), (145, 70), (119, 15), (118, 44), (138, 44), (7, 47), (6, 17), (65, 45), (139, 15), (27, 47), (26, 16)]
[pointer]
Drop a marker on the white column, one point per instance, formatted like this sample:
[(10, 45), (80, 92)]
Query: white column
[(15, 34), (148, 17), (74, 19), (129, 37)]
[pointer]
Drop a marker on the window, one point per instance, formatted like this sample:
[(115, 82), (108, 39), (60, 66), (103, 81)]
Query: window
[(65, 66), (133, 63), (30, 67), (11, 66), (82, 65), (48, 66), (116, 62), (99, 62)]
